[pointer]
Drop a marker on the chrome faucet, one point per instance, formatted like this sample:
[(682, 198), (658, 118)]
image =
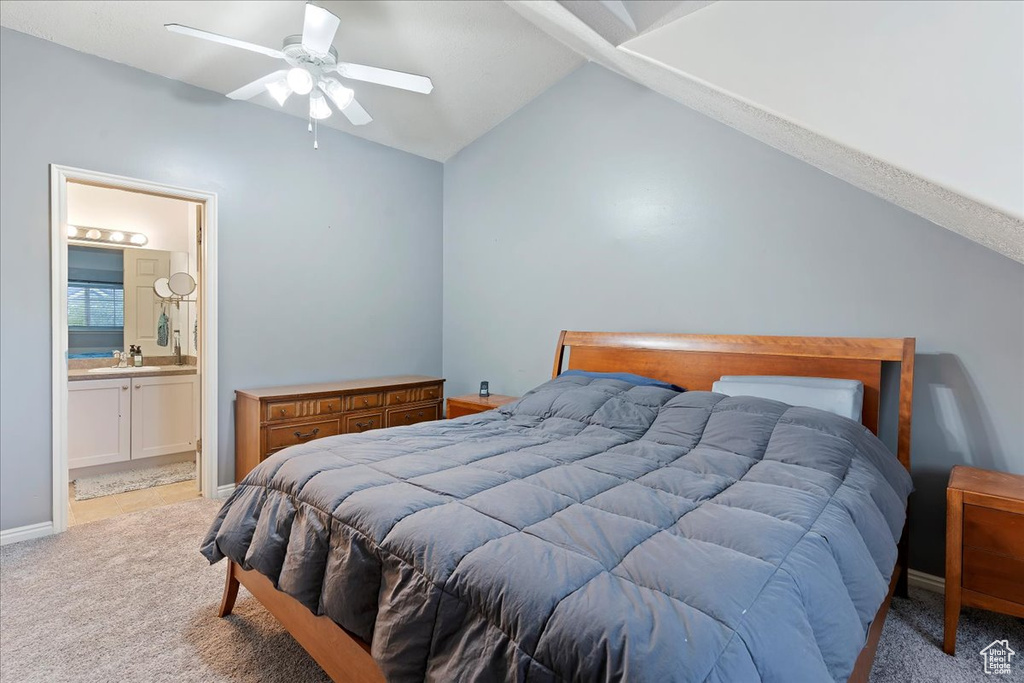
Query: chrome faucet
[(122, 359)]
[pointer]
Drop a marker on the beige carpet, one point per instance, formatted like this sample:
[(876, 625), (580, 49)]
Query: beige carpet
[(131, 599)]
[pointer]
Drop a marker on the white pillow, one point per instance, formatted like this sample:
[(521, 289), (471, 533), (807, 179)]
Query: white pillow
[(840, 396)]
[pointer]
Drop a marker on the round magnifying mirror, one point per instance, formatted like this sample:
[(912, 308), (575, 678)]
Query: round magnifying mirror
[(182, 284), (162, 288)]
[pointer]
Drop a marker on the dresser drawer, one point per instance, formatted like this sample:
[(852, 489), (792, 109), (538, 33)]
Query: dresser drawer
[(994, 530), (329, 406), (364, 401), (993, 574), (283, 410), (363, 422), (431, 393), (396, 417), (281, 436), (397, 397)]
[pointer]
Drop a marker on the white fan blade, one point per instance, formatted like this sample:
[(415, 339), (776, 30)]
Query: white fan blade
[(224, 40), (318, 29), (257, 86), (356, 115), (394, 79)]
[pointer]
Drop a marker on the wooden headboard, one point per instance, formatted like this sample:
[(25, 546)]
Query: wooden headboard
[(695, 361)]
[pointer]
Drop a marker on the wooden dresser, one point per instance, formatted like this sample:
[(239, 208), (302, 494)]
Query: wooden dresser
[(984, 545), (267, 420)]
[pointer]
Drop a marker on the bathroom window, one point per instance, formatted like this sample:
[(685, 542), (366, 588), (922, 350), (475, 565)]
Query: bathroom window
[(95, 305)]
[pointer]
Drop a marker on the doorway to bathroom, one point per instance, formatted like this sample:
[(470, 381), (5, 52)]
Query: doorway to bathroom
[(134, 345)]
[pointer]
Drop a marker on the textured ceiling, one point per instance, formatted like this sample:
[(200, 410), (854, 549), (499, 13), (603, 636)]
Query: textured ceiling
[(485, 60)]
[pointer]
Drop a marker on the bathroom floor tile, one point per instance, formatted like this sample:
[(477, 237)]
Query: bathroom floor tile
[(173, 493), (95, 509), (138, 500)]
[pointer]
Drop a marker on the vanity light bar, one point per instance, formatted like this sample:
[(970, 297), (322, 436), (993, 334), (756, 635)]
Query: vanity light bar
[(80, 233)]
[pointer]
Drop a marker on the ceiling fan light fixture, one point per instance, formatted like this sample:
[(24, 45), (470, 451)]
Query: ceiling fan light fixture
[(318, 107), (279, 90), (339, 94), (300, 80)]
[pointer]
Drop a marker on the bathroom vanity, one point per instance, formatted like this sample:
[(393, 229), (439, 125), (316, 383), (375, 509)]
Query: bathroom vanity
[(131, 414)]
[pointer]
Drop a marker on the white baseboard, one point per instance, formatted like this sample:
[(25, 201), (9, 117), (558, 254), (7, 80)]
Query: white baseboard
[(25, 533), (225, 490), (928, 582)]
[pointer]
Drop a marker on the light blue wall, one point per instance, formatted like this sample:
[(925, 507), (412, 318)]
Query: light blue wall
[(604, 206), (330, 260)]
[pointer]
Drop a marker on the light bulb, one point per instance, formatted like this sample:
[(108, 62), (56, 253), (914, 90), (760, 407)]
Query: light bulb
[(93, 234), (279, 90), (117, 236), (139, 238), (72, 231), (318, 107), (339, 94), (300, 81)]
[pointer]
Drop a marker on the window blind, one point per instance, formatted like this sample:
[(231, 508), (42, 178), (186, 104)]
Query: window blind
[(95, 305)]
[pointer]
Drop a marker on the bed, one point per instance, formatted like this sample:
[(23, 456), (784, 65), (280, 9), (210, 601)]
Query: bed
[(596, 529)]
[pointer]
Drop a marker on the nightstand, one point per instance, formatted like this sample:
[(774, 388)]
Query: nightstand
[(470, 404), (984, 545)]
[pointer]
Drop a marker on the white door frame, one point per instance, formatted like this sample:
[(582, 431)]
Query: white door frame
[(59, 177)]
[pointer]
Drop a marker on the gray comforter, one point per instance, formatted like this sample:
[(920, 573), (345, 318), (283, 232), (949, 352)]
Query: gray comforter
[(593, 530)]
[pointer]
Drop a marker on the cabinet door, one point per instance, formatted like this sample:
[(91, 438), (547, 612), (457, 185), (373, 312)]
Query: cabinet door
[(99, 422), (163, 415)]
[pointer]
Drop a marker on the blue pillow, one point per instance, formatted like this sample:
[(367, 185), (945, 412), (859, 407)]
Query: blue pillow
[(638, 380)]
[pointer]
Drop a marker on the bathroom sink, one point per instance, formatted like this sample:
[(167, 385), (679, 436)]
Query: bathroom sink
[(133, 368)]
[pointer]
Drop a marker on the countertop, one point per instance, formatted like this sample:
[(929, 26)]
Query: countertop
[(168, 371)]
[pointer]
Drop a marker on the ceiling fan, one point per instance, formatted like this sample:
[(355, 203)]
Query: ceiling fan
[(312, 69)]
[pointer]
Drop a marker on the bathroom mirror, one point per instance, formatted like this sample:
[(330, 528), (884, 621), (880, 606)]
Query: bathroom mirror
[(163, 288), (119, 297), (182, 284)]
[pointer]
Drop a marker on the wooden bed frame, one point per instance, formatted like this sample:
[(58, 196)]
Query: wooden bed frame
[(690, 361)]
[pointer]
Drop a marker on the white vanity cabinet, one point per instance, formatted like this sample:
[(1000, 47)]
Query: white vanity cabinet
[(130, 418), (99, 422), (163, 415)]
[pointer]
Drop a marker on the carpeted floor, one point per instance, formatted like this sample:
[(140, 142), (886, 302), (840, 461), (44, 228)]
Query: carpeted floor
[(131, 599)]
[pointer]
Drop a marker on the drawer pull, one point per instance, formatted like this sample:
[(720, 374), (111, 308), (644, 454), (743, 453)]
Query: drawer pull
[(124, 388), (282, 411), (364, 425), (366, 401), (138, 386), (300, 435), (330, 407), (399, 399)]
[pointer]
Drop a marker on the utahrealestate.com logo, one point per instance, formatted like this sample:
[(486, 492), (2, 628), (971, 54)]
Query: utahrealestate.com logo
[(997, 657)]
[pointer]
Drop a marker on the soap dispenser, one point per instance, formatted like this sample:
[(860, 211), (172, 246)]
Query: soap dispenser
[(138, 356)]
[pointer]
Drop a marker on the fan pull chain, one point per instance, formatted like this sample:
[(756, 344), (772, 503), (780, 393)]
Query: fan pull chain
[(310, 127), (316, 133)]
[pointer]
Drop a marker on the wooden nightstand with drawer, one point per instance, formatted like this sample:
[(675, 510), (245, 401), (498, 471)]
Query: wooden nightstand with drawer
[(471, 404), (984, 545), (267, 420)]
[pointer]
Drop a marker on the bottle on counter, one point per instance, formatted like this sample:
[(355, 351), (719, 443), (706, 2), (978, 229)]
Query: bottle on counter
[(138, 356)]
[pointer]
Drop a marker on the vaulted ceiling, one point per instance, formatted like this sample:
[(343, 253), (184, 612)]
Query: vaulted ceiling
[(918, 102), (484, 59), (921, 103)]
